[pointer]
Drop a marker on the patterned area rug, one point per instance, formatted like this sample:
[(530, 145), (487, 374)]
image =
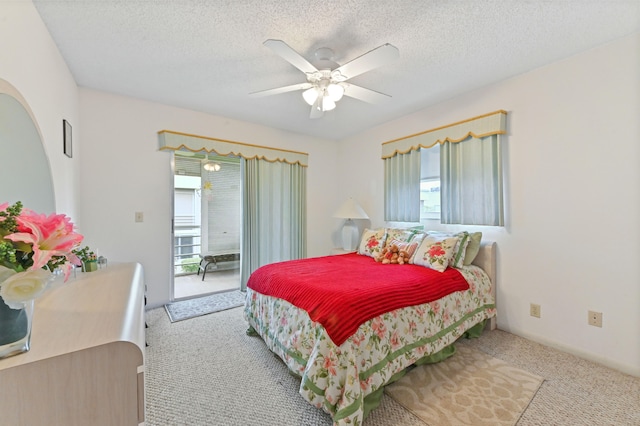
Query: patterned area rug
[(191, 308), (470, 388)]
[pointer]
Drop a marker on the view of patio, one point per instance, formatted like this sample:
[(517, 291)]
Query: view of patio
[(192, 285)]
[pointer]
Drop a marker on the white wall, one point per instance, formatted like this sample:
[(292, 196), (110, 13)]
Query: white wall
[(571, 241), (123, 172), (30, 61)]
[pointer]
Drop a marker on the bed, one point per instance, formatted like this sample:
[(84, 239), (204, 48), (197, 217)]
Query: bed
[(344, 362)]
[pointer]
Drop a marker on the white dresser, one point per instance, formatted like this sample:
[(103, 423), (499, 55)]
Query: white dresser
[(86, 363)]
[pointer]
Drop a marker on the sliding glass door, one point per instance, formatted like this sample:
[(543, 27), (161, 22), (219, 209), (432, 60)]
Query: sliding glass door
[(207, 224)]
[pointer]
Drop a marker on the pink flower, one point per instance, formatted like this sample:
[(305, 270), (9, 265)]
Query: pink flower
[(48, 235), (436, 250), (357, 339), (395, 340), (365, 384), (372, 242), (330, 365), (379, 327)]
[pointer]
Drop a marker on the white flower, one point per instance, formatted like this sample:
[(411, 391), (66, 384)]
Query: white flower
[(5, 273), (23, 286)]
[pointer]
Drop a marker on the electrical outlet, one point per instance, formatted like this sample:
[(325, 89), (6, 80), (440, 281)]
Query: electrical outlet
[(595, 318), (139, 217), (534, 310)]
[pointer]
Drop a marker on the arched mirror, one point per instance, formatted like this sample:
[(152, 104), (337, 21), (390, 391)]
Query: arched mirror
[(25, 174)]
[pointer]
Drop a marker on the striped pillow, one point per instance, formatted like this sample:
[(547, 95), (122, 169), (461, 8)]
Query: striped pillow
[(410, 248)]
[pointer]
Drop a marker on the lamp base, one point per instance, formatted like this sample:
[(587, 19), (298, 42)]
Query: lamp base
[(349, 236)]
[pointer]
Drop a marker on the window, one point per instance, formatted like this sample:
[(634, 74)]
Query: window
[(429, 199), (430, 183)]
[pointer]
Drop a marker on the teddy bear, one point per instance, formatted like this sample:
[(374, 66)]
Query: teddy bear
[(392, 255), (403, 257)]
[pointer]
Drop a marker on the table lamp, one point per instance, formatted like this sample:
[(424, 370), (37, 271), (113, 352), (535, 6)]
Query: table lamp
[(350, 210)]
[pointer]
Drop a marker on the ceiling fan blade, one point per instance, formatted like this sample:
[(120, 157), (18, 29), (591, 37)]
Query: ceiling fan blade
[(316, 109), (363, 94), (278, 90), (373, 59), (285, 51)]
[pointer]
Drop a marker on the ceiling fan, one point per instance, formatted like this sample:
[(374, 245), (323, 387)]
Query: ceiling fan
[(327, 83)]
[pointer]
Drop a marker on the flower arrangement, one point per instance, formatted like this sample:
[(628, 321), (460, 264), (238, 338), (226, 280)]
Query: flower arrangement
[(88, 258), (32, 247), (85, 254)]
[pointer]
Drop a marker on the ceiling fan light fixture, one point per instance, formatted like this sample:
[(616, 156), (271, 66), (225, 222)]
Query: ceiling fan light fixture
[(326, 80), (310, 95), (212, 167), (335, 91)]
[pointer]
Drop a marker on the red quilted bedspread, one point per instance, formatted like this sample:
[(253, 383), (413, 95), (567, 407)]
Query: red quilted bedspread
[(342, 292)]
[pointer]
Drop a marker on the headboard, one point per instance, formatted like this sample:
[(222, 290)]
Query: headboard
[(486, 259)]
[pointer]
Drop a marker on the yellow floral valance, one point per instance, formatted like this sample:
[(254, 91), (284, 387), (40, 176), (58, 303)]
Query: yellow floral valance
[(493, 123), (175, 141)]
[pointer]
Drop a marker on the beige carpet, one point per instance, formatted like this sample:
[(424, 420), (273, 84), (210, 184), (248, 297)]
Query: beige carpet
[(470, 388), (208, 372)]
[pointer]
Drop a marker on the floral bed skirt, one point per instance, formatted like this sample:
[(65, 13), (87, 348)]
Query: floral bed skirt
[(338, 378)]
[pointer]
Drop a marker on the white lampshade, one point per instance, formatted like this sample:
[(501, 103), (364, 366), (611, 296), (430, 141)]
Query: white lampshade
[(310, 95), (211, 167), (351, 210), (330, 96), (335, 92), (327, 103)]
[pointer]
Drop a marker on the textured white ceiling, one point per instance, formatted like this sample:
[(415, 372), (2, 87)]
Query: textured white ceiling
[(207, 55)]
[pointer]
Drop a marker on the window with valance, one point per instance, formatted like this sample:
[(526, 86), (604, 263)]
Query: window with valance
[(470, 172)]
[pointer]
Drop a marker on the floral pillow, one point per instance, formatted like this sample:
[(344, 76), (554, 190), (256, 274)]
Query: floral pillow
[(460, 250), (436, 252), (372, 242)]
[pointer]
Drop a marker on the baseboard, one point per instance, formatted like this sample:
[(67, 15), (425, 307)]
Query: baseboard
[(607, 362)]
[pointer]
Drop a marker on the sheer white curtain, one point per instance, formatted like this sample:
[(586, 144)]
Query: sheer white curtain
[(402, 187), (471, 182), (274, 214)]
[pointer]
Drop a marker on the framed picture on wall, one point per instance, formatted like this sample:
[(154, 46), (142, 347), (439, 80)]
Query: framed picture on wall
[(66, 136)]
